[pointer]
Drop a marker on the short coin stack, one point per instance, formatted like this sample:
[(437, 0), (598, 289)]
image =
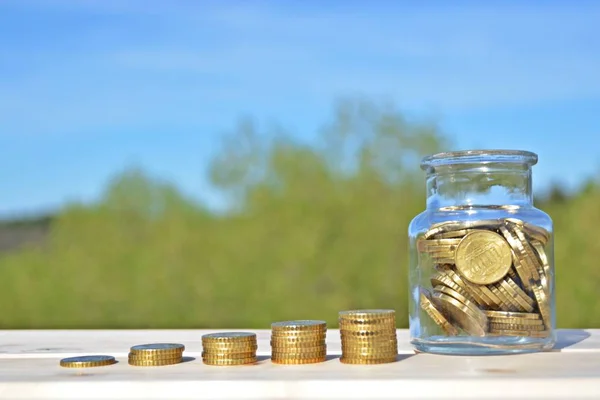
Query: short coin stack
[(87, 361), (156, 354), (490, 277), (229, 348), (368, 336), (298, 342)]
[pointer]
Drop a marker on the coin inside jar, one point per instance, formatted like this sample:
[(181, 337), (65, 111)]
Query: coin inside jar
[(483, 257)]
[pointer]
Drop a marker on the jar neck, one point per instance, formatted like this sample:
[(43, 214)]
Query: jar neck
[(485, 185)]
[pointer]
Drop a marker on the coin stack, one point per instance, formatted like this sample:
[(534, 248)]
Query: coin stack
[(229, 348), (87, 361), (156, 354), (492, 277), (298, 342), (368, 336)]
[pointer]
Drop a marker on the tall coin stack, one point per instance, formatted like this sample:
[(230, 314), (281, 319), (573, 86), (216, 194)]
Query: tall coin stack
[(156, 354), (368, 336), (298, 342), (490, 278), (229, 348)]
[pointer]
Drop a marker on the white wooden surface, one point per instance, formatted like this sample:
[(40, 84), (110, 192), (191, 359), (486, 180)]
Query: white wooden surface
[(29, 370)]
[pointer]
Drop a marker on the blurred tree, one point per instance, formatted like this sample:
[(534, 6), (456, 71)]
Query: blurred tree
[(314, 230)]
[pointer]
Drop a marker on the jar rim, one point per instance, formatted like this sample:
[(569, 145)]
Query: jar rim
[(479, 156)]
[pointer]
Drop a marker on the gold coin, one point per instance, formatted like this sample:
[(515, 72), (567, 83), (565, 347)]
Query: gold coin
[(229, 362), (154, 363), (439, 256), (361, 317), (158, 348), (229, 337), (442, 251), (243, 354), (87, 361), (477, 291), (360, 333), (511, 314), (349, 350), (299, 334), (528, 333), (543, 267), (384, 341), (142, 356), (366, 322), (298, 361), (449, 226), (312, 354), (369, 343), (437, 244), (291, 343), (299, 349), (362, 360), (531, 258), (369, 354), (502, 326), (366, 336), (229, 347), (457, 296), (471, 322), (490, 294), (436, 315), (516, 321), (169, 360), (299, 325), (524, 259), (543, 304), (534, 232), (372, 331), (512, 274), (508, 303), (276, 345), (388, 326), (481, 291), (444, 279), (453, 234), (288, 354), (515, 292), (483, 257), (541, 252)]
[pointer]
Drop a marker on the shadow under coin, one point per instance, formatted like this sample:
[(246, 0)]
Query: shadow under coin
[(187, 359), (262, 358), (569, 337)]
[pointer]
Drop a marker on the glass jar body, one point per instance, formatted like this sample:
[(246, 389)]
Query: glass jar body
[(481, 273)]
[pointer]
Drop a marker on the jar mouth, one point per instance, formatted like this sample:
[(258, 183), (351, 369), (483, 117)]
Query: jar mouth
[(481, 157)]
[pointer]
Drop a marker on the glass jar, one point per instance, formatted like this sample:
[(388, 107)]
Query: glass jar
[(481, 270)]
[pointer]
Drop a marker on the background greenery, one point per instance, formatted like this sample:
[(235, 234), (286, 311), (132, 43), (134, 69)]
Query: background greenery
[(311, 230)]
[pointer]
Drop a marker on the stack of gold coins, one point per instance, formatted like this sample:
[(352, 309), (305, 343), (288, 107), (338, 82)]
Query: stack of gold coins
[(229, 348), (490, 277), (87, 361), (505, 323), (156, 354), (298, 342), (368, 336)]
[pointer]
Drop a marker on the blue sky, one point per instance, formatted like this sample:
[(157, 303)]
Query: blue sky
[(88, 88)]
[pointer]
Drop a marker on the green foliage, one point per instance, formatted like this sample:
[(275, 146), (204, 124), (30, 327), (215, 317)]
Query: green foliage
[(314, 230)]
